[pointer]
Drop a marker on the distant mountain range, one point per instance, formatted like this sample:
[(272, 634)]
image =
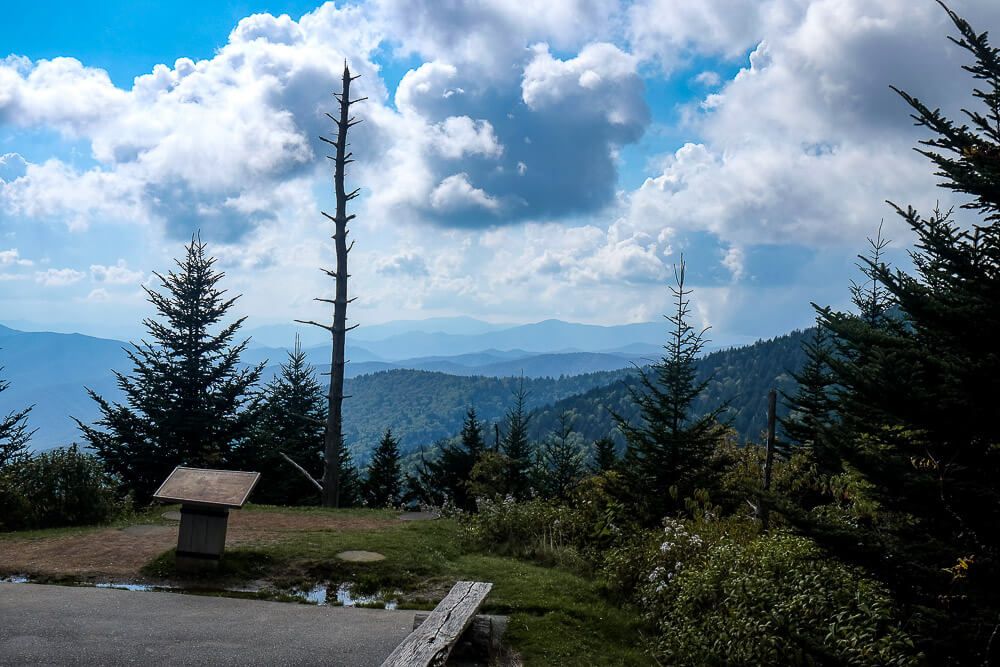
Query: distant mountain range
[(281, 335), (422, 398), (448, 337), (51, 370)]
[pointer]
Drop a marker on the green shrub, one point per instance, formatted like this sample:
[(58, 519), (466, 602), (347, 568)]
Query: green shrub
[(536, 529), (769, 599), (62, 487)]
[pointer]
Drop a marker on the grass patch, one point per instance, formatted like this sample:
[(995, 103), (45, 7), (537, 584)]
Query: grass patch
[(236, 565), (316, 510), (150, 515), (557, 616)]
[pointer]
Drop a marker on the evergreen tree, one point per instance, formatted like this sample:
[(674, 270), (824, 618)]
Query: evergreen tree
[(187, 400), (667, 455), (423, 484), (291, 421), (811, 407), (14, 433), (918, 390), (453, 468), (382, 486), (516, 447), (560, 460), (605, 456)]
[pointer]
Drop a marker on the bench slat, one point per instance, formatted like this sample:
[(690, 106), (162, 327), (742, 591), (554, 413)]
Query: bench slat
[(431, 643)]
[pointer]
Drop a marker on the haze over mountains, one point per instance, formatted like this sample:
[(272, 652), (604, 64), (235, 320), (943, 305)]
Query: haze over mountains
[(395, 341), (423, 397), (51, 370)]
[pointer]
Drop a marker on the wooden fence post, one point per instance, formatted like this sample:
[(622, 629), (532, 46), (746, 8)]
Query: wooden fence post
[(772, 401)]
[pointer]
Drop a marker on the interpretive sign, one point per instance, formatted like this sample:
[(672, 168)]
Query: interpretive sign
[(206, 496)]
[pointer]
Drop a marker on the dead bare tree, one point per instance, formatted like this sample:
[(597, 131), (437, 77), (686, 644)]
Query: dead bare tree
[(334, 440)]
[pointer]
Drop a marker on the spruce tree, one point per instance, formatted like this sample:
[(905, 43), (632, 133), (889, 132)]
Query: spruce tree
[(382, 486), (453, 468), (423, 485), (811, 408), (605, 456), (14, 433), (516, 446), (187, 401), (919, 392), (561, 460), (291, 422), (446, 476), (668, 453)]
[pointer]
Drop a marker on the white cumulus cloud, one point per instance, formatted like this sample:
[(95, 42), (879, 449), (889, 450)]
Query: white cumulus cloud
[(59, 277)]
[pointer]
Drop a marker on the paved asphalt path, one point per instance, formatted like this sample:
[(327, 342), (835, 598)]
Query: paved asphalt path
[(65, 625)]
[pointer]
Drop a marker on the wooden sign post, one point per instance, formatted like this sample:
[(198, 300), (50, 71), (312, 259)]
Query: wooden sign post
[(206, 496)]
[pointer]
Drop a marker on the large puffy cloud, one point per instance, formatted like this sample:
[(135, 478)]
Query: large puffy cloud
[(197, 145), (672, 31), (518, 115), (806, 142), (538, 142), (54, 190), (491, 34), (59, 93), (206, 144)]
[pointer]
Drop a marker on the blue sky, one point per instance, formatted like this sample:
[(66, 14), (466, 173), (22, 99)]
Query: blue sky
[(517, 162)]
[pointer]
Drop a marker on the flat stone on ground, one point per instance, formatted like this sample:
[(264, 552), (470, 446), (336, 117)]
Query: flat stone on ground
[(172, 515), (419, 516), (360, 556)]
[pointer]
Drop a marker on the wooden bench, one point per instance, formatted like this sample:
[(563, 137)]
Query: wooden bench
[(431, 643)]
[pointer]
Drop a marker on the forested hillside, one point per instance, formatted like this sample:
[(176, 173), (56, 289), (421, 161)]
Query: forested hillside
[(741, 376), (422, 407)]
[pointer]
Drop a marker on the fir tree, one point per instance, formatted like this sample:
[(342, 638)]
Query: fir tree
[(605, 456), (667, 455), (291, 421), (516, 446), (560, 459), (382, 486), (811, 407), (453, 468), (918, 393), (14, 433), (423, 485), (187, 400)]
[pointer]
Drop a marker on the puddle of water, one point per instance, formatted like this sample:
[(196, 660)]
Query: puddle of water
[(319, 593), (129, 587)]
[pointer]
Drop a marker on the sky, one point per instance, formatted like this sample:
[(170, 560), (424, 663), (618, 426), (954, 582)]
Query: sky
[(517, 161)]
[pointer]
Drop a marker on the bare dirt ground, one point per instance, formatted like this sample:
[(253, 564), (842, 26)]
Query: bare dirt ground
[(119, 553)]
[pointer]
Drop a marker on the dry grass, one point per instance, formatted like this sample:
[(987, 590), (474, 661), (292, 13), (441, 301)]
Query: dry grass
[(119, 553)]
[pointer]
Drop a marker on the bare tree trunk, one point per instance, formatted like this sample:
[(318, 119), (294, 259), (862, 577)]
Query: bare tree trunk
[(334, 440)]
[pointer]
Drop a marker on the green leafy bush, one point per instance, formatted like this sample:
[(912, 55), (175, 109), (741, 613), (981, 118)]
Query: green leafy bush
[(769, 599), (62, 487), (537, 529)]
